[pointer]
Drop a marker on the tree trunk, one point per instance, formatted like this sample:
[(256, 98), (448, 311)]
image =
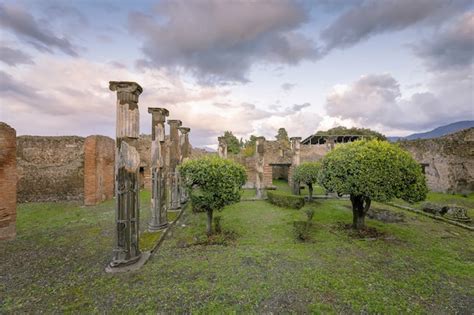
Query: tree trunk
[(209, 223), (310, 189), (359, 209)]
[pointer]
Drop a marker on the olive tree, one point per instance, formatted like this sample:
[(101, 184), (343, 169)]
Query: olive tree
[(372, 170), (307, 173), (212, 183)]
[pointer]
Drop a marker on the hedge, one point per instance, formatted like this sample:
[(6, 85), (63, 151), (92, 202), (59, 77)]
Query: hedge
[(285, 200)]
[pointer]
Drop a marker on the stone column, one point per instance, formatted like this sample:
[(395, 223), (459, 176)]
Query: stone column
[(295, 161), (185, 154), (259, 167), (159, 219), (8, 181), (174, 152), (127, 164), (222, 149)]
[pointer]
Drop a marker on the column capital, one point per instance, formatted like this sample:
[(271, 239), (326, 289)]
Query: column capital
[(261, 138), (125, 86), (184, 130), (159, 110), (175, 122)]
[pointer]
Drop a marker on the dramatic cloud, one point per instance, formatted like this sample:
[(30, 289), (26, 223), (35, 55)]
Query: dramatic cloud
[(25, 26), (218, 41), (297, 108), (14, 57), (376, 100), (453, 47), (375, 17)]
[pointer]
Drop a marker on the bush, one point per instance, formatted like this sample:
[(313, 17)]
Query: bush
[(301, 230), (285, 200), (212, 183), (307, 173)]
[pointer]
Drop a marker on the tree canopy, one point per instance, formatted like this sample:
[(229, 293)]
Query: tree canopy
[(372, 170), (212, 183), (233, 144), (307, 173), (352, 131)]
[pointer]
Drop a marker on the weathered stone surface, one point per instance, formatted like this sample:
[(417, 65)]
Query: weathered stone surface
[(50, 168), (260, 168), (456, 213), (127, 165), (8, 182), (222, 147), (174, 160), (99, 163), (449, 161)]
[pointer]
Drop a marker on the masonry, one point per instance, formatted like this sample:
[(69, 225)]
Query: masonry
[(8, 180)]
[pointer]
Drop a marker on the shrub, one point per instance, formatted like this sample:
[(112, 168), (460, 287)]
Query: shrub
[(307, 173), (301, 230), (285, 200), (309, 214), (212, 183), (372, 170)]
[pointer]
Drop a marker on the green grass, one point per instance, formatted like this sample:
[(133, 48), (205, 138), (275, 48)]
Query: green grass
[(282, 185), (57, 262)]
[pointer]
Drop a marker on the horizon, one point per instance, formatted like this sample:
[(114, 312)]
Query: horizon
[(249, 68)]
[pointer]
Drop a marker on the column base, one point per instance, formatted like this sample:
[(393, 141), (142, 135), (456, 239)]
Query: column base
[(157, 227), (129, 265)]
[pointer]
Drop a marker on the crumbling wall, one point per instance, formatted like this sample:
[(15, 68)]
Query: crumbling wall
[(313, 153), (8, 181), (449, 161), (50, 168), (99, 164)]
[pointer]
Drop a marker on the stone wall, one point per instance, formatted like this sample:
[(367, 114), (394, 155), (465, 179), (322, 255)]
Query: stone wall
[(8, 182), (50, 168), (313, 153), (99, 164), (449, 161)]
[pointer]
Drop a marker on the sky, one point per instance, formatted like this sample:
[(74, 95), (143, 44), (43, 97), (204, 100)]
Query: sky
[(250, 67)]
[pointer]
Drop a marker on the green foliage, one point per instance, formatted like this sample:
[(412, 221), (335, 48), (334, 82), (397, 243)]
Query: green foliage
[(217, 224), (213, 182), (301, 229), (309, 214), (282, 135), (233, 144), (352, 131), (373, 169), (249, 146), (307, 173), (285, 200)]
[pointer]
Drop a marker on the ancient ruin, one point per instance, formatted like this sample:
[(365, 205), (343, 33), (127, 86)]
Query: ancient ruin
[(295, 161), (259, 167), (174, 160), (158, 177), (8, 182), (222, 148), (127, 162), (185, 154)]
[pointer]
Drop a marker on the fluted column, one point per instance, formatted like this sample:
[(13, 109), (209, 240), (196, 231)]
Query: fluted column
[(222, 149), (174, 152), (185, 154), (259, 167), (159, 219), (127, 162), (295, 161)]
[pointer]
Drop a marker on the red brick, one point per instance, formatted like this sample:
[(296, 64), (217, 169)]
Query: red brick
[(8, 182)]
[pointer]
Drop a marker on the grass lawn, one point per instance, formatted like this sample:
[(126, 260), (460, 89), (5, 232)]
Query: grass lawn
[(57, 262)]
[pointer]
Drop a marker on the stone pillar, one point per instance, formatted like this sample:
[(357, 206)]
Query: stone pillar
[(159, 219), (173, 176), (259, 167), (222, 149), (8, 181), (295, 161), (185, 154), (127, 164)]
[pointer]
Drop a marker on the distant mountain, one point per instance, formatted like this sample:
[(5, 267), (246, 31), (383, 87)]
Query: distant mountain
[(437, 132)]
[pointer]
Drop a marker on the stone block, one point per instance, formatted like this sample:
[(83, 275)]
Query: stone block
[(8, 182)]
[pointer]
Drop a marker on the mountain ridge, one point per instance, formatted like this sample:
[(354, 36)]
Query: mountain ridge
[(437, 132)]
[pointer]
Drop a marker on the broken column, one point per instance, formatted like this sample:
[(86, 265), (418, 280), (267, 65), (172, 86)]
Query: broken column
[(173, 176), (295, 161), (159, 219), (8, 180), (222, 149), (185, 150), (259, 167), (127, 163)]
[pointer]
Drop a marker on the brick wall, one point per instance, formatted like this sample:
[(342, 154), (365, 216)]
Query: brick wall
[(99, 163), (8, 182)]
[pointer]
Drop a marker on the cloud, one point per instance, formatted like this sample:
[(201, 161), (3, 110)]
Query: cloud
[(14, 57), (287, 86), (453, 47), (25, 26), (219, 41), (376, 100), (375, 17), (297, 108)]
